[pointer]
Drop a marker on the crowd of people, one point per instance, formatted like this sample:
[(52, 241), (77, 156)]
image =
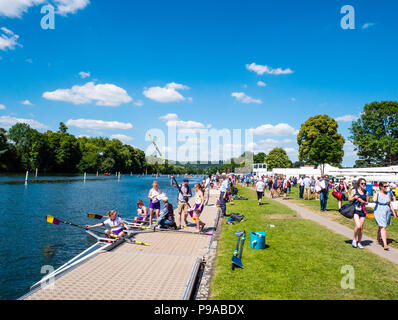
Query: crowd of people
[(165, 217), (311, 188)]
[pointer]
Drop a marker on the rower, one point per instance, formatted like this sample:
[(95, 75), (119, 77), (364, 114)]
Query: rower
[(116, 224), (142, 212)]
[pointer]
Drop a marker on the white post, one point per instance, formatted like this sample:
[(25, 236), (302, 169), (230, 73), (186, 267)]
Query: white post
[(37, 171), (84, 177), (26, 177), (97, 173)]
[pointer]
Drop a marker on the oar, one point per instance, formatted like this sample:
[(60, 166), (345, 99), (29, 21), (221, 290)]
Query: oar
[(138, 243), (57, 222), (99, 217), (179, 189)]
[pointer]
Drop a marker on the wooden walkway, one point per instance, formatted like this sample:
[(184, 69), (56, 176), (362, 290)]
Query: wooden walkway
[(165, 270)]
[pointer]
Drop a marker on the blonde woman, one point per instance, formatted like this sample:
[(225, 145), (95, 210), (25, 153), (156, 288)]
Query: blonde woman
[(116, 224), (154, 202), (199, 204)]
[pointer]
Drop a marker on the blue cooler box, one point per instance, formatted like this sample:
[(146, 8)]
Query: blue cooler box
[(257, 240)]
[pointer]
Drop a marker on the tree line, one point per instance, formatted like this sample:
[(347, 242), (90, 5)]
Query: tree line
[(374, 136), (23, 148)]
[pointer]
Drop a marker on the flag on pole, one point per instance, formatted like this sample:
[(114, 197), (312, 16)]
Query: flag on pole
[(52, 220)]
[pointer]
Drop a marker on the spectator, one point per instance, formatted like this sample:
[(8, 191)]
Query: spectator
[(383, 211), (324, 193), (359, 196)]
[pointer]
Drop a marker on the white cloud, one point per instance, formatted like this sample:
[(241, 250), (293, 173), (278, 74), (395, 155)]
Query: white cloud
[(64, 7), (346, 118), (7, 122), (281, 129), (167, 93), (169, 116), (139, 103), (84, 75), (108, 95), (290, 150), (242, 97), (2, 107), (15, 8), (293, 99), (368, 25), (8, 39), (27, 103), (172, 120), (98, 124), (261, 84), (29, 60), (260, 70), (123, 138)]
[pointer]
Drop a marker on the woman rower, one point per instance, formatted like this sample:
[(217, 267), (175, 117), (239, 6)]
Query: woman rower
[(154, 203), (116, 224), (199, 204), (142, 213)]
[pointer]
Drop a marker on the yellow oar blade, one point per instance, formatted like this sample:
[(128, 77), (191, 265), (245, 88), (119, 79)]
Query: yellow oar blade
[(52, 220)]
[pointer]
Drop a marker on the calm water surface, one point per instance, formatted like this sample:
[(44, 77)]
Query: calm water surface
[(27, 242)]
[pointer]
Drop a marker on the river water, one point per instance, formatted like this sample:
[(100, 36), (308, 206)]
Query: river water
[(27, 242)]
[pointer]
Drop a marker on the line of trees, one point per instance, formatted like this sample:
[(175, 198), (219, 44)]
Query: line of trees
[(24, 148)]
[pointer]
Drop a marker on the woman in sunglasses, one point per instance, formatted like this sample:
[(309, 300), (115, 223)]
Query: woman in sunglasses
[(359, 196), (382, 212)]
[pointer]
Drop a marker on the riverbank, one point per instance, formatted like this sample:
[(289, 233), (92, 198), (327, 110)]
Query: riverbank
[(303, 260)]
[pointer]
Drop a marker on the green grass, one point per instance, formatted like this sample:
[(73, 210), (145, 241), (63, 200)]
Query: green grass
[(332, 213), (303, 260)]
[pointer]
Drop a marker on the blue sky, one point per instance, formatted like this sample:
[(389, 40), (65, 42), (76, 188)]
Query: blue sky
[(151, 64)]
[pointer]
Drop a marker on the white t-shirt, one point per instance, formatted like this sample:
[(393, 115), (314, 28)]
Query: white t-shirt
[(208, 183), (115, 225), (260, 186)]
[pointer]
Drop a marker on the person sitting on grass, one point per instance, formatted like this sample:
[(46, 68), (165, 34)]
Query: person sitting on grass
[(142, 213), (166, 216), (116, 224)]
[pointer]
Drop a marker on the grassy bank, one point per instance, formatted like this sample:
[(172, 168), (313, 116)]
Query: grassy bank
[(303, 260), (332, 213)]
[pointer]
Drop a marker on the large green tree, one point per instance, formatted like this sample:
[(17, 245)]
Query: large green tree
[(375, 134), (325, 150), (277, 158), (322, 129), (259, 157)]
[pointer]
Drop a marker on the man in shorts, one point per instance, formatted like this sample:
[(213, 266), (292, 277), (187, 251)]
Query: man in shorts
[(183, 199), (260, 186)]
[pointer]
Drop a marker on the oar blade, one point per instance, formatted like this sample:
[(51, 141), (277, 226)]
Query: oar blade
[(53, 220), (95, 216)]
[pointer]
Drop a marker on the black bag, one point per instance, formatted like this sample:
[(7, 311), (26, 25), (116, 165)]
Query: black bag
[(348, 210), (237, 217)]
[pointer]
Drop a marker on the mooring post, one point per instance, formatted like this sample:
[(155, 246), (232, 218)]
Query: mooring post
[(37, 171)]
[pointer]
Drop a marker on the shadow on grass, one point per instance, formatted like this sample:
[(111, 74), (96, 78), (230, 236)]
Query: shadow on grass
[(365, 243)]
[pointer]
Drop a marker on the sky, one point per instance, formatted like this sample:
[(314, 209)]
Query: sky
[(120, 68)]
